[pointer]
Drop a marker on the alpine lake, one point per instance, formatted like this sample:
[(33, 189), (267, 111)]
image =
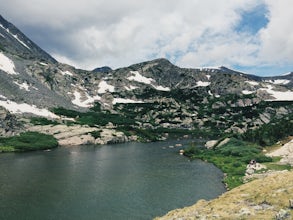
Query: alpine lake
[(121, 181)]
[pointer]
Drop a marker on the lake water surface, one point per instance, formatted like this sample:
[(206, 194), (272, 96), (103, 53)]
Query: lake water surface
[(124, 181)]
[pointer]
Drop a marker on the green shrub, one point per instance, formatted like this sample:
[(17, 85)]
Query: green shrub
[(96, 134), (29, 141), (7, 149), (43, 121)]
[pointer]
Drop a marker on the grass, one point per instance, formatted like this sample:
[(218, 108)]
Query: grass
[(7, 149), (232, 158), (27, 141)]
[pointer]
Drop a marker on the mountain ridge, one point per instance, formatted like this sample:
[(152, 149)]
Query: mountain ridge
[(154, 93)]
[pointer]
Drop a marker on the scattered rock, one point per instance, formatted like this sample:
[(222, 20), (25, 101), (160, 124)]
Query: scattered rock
[(244, 211), (291, 203), (283, 214)]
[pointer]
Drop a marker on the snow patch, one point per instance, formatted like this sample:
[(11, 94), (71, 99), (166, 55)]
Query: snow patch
[(161, 88), (203, 84), (210, 93), (136, 76), (208, 76), (66, 73), (279, 81), (104, 87), (2, 27), (247, 92), (20, 41), (16, 108), (279, 96), (85, 100), (252, 83), (15, 36), (3, 97), (2, 35), (130, 87), (122, 100), (43, 64), (7, 65), (207, 68), (24, 86)]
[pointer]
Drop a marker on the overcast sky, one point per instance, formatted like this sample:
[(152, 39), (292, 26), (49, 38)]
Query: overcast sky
[(254, 36)]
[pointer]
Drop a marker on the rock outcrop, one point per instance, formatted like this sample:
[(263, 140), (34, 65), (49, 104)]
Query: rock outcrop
[(286, 152), (81, 135)]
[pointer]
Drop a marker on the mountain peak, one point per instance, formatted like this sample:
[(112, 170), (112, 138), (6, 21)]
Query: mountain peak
[(13, 41)]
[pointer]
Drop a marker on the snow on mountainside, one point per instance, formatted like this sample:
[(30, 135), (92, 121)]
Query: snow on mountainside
[(7, 64), (30, 76)]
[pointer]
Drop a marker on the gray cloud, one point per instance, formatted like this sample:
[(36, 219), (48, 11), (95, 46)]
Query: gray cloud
[(191, 33)]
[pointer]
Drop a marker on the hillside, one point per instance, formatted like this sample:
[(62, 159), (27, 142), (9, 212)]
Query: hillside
[(266, 198)]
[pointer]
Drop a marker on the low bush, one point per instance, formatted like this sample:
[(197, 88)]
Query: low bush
[(28, 141), (43, 121)]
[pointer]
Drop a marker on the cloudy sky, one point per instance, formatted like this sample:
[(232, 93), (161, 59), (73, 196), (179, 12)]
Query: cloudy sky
[(254, 36)]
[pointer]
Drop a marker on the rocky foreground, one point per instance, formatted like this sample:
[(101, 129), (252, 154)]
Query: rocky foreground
[(267, 198), (270, 196)]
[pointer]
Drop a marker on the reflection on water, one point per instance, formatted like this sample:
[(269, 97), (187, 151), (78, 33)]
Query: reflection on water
[(125, 181)]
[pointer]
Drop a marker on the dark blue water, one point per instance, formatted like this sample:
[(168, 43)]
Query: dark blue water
[(125, 181)]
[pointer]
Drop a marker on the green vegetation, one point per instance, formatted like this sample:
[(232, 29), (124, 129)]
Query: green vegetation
[(7, 149), (232, 158), (144, 135), (96, 134), (27, 141), (95, 117), (270, 133), (43, 121)]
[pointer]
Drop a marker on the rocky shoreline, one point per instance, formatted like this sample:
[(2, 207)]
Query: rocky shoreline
[(82, 135), (267, 195), (266, 198)]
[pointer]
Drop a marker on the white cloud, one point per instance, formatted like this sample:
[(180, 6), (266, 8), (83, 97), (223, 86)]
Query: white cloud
[(277, 38), (93, 33)]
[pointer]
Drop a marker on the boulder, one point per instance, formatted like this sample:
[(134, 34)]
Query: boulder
[(211, 144), (283, 214)]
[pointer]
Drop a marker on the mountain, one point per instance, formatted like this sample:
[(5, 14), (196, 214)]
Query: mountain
[(153, 94), (103, 69), (14, 42)]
